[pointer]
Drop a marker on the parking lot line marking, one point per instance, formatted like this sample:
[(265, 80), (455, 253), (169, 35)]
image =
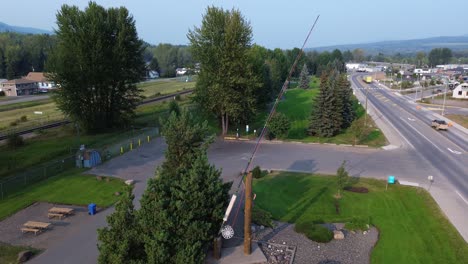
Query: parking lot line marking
[(461, 197)]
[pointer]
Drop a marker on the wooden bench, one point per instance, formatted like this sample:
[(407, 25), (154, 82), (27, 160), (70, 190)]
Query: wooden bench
[(34, 230), (51, 215)]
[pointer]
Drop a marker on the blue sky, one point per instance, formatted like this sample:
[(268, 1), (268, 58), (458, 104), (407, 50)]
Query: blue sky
[(282, 24)]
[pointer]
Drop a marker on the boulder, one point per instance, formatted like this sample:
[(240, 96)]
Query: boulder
[(129, 182), (337, 234), (24, 256), (117, 193)]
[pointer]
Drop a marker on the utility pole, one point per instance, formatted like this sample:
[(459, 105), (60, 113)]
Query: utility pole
[(365, 116), (248, 215), (445, 95)]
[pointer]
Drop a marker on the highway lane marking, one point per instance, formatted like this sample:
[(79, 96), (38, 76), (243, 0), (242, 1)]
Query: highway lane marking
[(422, 135), (454, 151), (411, 119), (461, 197)]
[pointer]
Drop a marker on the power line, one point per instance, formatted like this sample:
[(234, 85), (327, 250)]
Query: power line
[(270, 115)]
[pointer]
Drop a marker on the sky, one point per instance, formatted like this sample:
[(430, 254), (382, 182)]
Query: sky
[(275, 24)]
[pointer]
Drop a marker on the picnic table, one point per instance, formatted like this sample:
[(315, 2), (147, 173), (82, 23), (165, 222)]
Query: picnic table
[(35, 227), (61, 210), (38, 225)]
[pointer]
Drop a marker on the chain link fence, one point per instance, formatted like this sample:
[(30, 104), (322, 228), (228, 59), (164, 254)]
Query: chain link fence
[(21, 180)]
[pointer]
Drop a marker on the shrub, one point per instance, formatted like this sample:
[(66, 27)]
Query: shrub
[(356, 189), (14, 141), (178, 98), (261, 217), (2, 93), (315, 232), (14, 123), (357, 224), (257, 173), (279, 125), (24, 118)]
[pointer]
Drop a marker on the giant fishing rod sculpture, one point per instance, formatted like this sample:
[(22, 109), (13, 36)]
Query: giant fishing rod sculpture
[(226, 230)]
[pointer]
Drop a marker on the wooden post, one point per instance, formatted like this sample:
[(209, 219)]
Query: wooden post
[(248, 215), (217, 247)]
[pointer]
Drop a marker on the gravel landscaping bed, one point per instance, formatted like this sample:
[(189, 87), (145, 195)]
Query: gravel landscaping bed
[(283, 241)]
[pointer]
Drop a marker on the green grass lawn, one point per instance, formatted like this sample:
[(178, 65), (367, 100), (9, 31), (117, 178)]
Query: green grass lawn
[(53, 144), (462, 120), (9, 253), (69, 187), (49, 110), (297, 106), (164, 86), (412, 227)]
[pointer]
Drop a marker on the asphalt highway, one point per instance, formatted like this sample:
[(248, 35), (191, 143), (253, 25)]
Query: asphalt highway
[(446, 151)]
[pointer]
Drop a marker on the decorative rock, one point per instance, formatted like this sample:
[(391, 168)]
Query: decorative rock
[(116, 193), (252, 228), (280, 257), (262, 227), (364, 233), (338, 235), (129, 182), (99, 178), (24, 256)]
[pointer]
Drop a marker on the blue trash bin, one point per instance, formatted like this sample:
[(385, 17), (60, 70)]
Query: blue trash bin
[(92, 209)]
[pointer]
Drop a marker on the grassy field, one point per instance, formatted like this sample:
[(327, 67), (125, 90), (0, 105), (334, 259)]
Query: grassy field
[(53, 144), (70, 187), (23, 104), (9, 253), (12, 113), (49, 113), (297, 106), (462, 120), (412, 227), (164, 86)]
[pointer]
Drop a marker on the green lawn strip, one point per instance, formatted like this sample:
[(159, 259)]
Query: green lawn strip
[(164, 86), (9, 253), (70, 187), (49, 110), (13, 106), (462, 120), (412, 227), (52, 144), (297, 106)]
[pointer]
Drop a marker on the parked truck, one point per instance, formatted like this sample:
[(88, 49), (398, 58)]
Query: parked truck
[(439, 124), (367, 79)]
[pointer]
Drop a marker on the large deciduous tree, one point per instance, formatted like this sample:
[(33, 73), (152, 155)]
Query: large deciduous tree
[(97, 62), (226, 84), (439, 56)]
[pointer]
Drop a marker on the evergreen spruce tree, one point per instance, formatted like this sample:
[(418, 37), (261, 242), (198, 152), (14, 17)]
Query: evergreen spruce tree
[(119, 241), (182, 208), (304, 79), (348, 112), (324, 117)]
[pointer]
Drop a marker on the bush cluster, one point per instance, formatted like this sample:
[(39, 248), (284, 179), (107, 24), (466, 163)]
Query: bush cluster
[(315, 232), (14, 141), (356, 189), (261, 217), (357, 223)]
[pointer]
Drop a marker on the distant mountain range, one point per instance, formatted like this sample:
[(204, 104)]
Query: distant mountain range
[(23, 30), (457, 43)]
